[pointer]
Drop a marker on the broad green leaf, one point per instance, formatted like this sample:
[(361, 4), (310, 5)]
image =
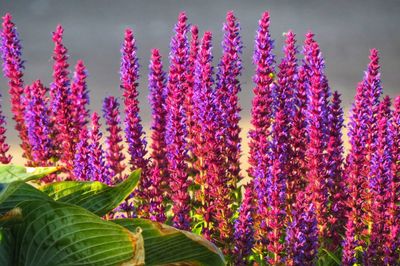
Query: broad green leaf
[(56, 233), (10, 173), (17, 192), (165, 245), (6, 245), (93, 196)]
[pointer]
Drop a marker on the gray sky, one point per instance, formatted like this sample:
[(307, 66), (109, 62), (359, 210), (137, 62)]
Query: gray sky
[(346, 30)]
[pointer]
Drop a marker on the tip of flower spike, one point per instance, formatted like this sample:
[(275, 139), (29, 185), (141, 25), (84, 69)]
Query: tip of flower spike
[(7, 17), (128, 33), (309, 37), (182, 18), (207, 38), (194, 30), (155, 52), (58, 34)]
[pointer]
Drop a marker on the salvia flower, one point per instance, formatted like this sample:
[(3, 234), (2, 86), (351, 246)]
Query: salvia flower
[(189, 105), (227, 89), (299, 139), (355, 178), (13, 65), (381, 183), (97, 170), (280, 152), (5, 158), (317, 130), (61, 102), (244, 228), (79, 100), (261, 115), (38, 124), (373, 91), (82, 169), (176, 126), (302, 232), (159, 172), (135, 138), (335, 169), (114, 147)]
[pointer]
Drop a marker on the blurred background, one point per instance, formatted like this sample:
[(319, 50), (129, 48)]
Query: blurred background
[(346, 30)]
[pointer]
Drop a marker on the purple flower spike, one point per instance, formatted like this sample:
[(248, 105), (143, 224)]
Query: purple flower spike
[(302, 233), (159, 173), (38, 124), (381, 184), (133, 123), (82, 168), (244, 228), (280, 152), (355, 178), (79, 99), (299, 139), (13, 65), (335, 170), (176, 126), (317, 130), (60, 103), (114, 147), (5, 158), (227, 89), (96, 161), (261, 116), (189, 104)]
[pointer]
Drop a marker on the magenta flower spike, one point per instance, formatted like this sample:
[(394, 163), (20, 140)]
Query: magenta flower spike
[(79, 99), (38, 124), (299, 139), (335, 168), (5, 158), (159, 173), (215, 201), (97, 169), (60, 103), (227, 89), (82, 170), (114, 147), (317, 130), (302, 232), (280, 152), (393, 239), (373, 91), (261, 116), (133, 127), (189, 104), (134, 133), (285, 95), (355, 178), (176, 126), (244, 228), (13, 65), (381, 184)]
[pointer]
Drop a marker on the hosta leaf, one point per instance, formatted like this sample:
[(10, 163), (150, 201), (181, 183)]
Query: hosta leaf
[(17, 192), (6, 244), (10, 173), (93, 196), (165, 245), (56, 233)]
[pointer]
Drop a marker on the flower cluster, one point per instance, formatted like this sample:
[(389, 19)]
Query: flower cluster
[(302, 197)]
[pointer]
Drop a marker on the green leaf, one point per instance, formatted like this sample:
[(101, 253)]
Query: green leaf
[(166, 245), (55, 233), (17, 192), (6, 245), (11, 173), (93, 196), (332, 256)]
